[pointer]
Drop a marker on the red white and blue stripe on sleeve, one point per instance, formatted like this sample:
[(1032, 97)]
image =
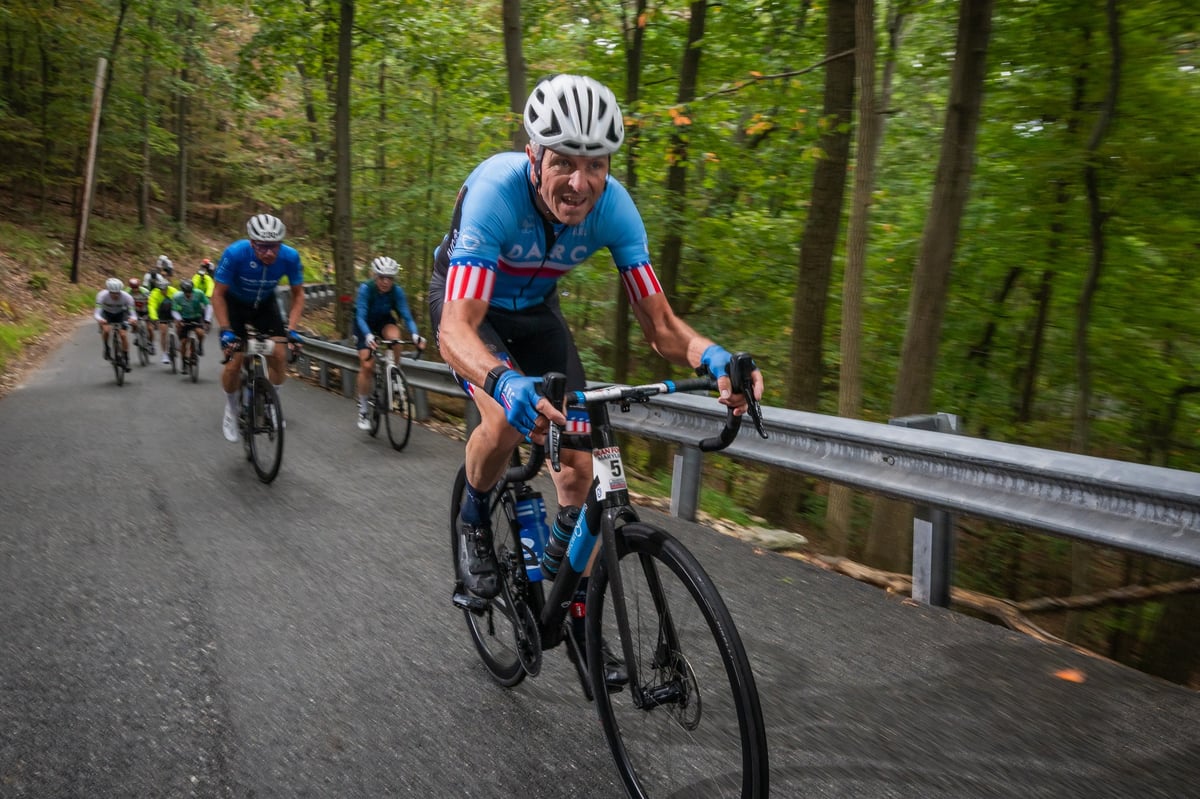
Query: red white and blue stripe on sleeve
[(470, 279), (640, 281)]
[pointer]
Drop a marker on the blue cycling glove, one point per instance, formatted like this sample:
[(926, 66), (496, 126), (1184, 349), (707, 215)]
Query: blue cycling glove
[(716, 360), (294, 337), (227, 338), (519, 396)]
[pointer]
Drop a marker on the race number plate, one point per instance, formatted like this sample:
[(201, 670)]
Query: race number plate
[(609, 471), (264, 347)]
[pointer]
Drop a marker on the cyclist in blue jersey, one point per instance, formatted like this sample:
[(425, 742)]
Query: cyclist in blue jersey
[(522, 221), (244, 294), (381, 302)]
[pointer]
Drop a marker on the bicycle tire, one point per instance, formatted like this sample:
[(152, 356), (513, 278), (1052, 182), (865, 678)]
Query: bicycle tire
[(193, 364), (705, 736), (377, 404), (114, 351), (142, 346), (398, 417), (265, 426), (173, 350), (494, 628)]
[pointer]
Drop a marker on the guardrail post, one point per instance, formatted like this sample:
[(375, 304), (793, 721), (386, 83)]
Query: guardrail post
[(421, 404), (933, 529), (685, 483)]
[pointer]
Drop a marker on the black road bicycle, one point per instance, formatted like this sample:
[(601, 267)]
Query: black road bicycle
[(172, 346), (141, 341), (117, 354), (261, 416), (189, 351), (688, 722), (392, 400)]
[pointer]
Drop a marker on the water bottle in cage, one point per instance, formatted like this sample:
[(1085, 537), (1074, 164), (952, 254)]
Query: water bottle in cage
[(531, 517), (560, 536)]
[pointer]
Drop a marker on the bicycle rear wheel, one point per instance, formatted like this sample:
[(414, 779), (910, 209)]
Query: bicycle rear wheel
[(399, 410), (700, 730), (266, 430), (173, 350), (494, 627)]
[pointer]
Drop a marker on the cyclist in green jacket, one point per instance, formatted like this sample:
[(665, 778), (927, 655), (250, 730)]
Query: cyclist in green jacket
[(191, 309)]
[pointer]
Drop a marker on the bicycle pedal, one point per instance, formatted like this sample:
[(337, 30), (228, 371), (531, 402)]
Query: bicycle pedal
[(469, 602)]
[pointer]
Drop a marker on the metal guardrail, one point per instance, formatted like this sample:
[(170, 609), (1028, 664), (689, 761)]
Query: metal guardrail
[(1145, 509)]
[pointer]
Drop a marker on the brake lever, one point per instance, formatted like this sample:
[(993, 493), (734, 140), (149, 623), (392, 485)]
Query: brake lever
[(741, 377), (554, 388)]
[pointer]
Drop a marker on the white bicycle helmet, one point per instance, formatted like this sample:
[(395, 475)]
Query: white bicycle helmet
[(575, 115), (161, 283), (164, 263), (113, 285), (265, 228), (385, 267)]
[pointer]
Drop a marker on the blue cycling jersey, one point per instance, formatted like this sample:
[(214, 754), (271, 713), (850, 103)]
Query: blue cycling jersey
[(248, 279), (501, 249), (374, 309)]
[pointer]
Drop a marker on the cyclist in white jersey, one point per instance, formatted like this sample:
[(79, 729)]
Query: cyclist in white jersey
[(520, 223), (114, 306)]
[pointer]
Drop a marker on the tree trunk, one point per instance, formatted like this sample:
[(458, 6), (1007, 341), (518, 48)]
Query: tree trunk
[(672, 248), (1081, 554), (887, 541), (871, 123), (634, 35), (515, 59), (343, 231), (784, 491)]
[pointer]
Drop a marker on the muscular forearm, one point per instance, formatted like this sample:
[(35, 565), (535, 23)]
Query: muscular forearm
[(460, 344), (670, 336), (297, 307)]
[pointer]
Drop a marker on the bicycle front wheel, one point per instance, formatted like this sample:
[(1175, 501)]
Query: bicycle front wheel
[(173, 351), (265, 430), (494, 628), (193, 364), (699, 730), (143, 347), (399, 410)]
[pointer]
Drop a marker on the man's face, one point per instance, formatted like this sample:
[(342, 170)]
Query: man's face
[(571, 184), (265, 252)]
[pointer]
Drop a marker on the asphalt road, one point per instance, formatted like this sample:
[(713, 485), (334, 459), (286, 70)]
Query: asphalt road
[(171, 627)]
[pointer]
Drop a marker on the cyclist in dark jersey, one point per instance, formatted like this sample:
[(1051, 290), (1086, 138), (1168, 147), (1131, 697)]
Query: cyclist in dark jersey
[(522, 221), (380, 305)]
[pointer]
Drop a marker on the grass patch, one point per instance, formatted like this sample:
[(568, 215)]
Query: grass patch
[(13, 337), (78, 301)]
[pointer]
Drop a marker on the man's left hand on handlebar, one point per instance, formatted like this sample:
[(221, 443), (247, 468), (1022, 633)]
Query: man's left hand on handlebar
[(526, 409)]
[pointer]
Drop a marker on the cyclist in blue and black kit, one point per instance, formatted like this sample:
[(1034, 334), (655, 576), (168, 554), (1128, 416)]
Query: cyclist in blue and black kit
[(381, 303), (522, 221), (244, 294)]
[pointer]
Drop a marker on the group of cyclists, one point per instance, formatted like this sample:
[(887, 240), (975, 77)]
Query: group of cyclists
[(160, 304)]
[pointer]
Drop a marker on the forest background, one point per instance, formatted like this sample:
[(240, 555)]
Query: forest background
[(983, 209)]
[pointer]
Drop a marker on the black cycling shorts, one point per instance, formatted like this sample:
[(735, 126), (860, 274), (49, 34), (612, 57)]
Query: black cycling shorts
[(114, 317), (263, 316), (534, 340)]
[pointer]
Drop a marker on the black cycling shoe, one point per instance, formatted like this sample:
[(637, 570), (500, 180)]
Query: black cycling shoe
[(477, 561)]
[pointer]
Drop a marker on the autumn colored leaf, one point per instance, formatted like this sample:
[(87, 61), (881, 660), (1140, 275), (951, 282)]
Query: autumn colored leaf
[(1071, 675)]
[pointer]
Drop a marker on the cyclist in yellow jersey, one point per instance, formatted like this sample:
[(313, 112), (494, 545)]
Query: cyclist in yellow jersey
[(204, 279), (159, 307)]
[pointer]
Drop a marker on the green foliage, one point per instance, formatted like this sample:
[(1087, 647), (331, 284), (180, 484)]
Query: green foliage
[(39, 281), (13, 337)]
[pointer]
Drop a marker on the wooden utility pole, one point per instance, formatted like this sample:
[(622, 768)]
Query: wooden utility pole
[(89, 170)]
